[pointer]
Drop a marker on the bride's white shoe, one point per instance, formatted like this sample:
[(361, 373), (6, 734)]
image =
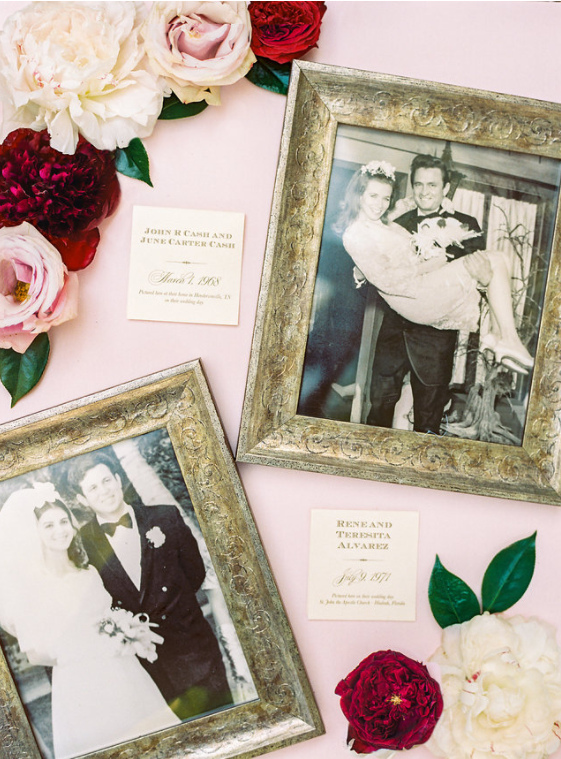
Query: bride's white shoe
[(519, 360)]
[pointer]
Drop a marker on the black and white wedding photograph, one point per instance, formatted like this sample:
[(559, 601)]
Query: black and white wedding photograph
[(112, 619), (430, 285)]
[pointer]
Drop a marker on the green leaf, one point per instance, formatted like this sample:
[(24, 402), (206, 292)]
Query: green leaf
[(508, 575), (20, 372), (270, 75), (173, 108), (451, 599), (132, 161)]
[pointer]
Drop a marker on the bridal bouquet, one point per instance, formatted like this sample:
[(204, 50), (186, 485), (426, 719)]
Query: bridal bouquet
[(131, 632), (434, 235), (500, 676)]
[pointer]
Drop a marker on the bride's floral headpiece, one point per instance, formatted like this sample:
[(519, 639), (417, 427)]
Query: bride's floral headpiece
[(34, 497), (379, 169)]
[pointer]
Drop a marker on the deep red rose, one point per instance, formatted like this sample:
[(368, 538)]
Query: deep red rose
[(390, 701), (282, 31), (64, 196)]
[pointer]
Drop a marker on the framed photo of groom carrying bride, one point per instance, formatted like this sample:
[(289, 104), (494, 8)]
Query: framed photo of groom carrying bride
[(137, 612), (407, 327)]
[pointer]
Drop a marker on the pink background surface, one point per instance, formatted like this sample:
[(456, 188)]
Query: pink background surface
[(225, 159)]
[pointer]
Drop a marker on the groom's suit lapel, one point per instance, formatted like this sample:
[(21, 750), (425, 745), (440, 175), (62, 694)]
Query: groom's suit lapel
[(146, 553)]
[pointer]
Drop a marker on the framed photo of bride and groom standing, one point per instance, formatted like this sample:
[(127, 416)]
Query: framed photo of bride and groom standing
[(408, 321), (138, 614)]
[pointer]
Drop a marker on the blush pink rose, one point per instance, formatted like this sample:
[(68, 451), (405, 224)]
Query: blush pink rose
[(198, 46), (36, 289)]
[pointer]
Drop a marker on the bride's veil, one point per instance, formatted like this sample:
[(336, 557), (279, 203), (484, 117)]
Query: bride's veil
[(21, 559)]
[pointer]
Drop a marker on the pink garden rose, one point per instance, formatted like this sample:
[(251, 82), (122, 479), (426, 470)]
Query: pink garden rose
[(36, 290), (198, 46)]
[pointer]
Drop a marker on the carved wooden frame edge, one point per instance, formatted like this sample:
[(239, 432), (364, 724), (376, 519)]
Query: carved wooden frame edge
[(179, 400), (320, 97)]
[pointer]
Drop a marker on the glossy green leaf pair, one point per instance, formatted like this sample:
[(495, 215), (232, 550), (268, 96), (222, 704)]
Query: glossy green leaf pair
[(20, 372), (506, 579)]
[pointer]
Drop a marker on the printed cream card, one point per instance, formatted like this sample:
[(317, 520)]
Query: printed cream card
[(185, 266), (363, 564)]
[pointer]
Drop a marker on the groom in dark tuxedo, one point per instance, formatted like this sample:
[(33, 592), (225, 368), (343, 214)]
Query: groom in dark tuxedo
[(150, 563), (404, 346)]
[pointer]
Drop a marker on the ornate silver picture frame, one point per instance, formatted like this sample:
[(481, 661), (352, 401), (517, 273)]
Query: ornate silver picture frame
[(163, 423), (383, 116)]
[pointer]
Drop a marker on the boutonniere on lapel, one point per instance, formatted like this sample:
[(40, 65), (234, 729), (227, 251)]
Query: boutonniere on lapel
[(156, 537)]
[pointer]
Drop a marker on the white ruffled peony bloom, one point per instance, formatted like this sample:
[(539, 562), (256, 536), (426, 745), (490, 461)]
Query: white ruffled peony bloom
[(501, 684), (199, 46), (78, 68)]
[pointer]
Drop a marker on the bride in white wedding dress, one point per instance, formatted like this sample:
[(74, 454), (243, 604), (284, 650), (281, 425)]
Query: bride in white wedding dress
[(57, 608)]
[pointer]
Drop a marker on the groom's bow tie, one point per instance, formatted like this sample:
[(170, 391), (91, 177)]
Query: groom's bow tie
[(433, 215), (110, 527)]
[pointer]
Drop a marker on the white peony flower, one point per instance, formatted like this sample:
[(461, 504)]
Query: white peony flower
[(198, 46), (501, 684), (78, 68)]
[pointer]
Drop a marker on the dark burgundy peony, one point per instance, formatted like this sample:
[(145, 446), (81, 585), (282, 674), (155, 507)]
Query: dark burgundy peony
[(64, 196), (282, 31), (390, 701)]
